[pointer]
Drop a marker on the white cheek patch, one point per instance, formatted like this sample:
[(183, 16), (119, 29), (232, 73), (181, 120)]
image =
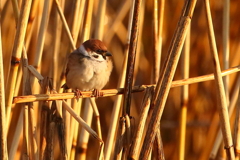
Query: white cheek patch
[(82, 50)]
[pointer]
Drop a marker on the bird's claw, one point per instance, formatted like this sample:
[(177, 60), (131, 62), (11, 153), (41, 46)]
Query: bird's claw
[(96, 93), (78, 94)]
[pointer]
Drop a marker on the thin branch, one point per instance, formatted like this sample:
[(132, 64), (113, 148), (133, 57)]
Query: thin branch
[(112, 92)]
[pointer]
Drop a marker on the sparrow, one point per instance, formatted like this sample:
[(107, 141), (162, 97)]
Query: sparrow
[(88, 68)]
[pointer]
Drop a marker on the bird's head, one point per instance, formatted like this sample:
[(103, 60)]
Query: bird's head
[(94, 49)]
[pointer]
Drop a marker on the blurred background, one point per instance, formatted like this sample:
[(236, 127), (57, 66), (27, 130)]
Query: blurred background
[(202, 115)]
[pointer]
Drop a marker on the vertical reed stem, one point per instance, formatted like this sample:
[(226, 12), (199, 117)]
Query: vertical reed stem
[(226, 8), (88, 21), (16, 54), (232, 104), (184, 97), (136, 144), (157, 55), (166, 79), (100, 19), (131, 58), (237, 127), (223, 111), (3, 128), (117, 103)]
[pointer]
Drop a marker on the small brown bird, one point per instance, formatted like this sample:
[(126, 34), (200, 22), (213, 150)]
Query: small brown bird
[(88, 68)]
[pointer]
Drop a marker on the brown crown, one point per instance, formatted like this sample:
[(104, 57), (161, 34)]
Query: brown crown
[(94, 45)]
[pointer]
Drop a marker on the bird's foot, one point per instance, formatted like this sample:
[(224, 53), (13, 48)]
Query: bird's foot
[(96, 93), (78, 93)]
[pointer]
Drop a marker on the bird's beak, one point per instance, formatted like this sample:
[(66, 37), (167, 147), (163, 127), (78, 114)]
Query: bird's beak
[(107, 54)]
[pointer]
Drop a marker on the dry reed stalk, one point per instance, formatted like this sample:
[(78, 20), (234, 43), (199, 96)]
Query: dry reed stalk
[(159, 146), (122, 142), (59, 122), (117, 105), (136, 144), (40, 41), (16, 54), (77, 19), (17, 133), (83, 135), (3, 128), (131, 58), (237, 127), (32, 122), (119, 143), (59, 9), (156, 49), (42, 33), (4, 10), (61, 137), (75, 129), (87, 23), (160, 25), (211, 135), (166, 79), (116, 109), (41, 37), (18, 83), (100, 19), (120, 14), (16, 137), (139, 49), (223, 113), (25, 148), (44, 122), (97, 115), (66, 124), (51, 142), (226, 23), (232, 104), (15, 10), (56, 48), (112, 92), (33, 14), (26, 90), (33, 136), (184, 96), (36, 73)]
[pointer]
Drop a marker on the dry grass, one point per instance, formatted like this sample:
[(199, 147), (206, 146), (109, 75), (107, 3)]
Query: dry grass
[(170, 122)]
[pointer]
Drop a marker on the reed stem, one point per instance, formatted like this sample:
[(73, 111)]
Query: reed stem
[(166, 80), (223, 112)]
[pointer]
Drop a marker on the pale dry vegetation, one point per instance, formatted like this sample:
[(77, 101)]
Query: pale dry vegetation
[(36, 38)]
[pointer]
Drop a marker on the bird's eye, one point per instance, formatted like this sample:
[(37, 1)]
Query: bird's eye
[(95, 56)]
